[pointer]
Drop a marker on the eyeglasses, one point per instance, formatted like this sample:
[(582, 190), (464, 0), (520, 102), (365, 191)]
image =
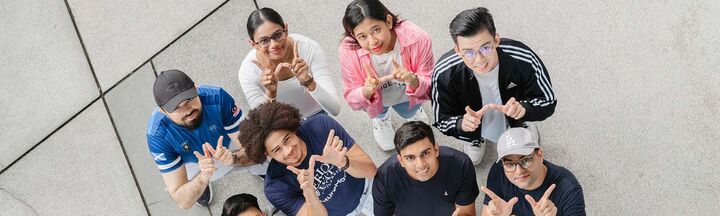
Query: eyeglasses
[(524, 163), (277, 36), (484, 51)]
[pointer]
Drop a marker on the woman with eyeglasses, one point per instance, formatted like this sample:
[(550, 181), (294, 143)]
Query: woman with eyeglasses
[(284, 67), (385, 62)]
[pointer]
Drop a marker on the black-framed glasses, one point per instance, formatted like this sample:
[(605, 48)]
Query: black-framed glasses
[(277, 36), (524, 163), (484, 51)]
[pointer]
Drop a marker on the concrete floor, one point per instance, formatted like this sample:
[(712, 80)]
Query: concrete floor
[(637, 86)]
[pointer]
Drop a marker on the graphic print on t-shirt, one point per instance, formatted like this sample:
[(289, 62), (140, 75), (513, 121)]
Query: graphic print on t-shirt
[(325, 187)]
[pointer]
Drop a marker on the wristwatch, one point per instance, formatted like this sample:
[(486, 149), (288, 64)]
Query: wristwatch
[(347, 164)]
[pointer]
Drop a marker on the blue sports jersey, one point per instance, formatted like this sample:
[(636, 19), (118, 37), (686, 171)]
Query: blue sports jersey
[(172, 146)]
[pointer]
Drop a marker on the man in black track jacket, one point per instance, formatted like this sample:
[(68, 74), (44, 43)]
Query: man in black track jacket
[(487, 84)]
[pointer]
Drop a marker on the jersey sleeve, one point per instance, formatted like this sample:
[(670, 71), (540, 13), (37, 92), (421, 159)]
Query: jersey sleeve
[(163, 154), (231, 113)]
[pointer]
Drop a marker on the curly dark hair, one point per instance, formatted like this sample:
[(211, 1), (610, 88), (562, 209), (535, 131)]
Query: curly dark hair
[(263, 120)]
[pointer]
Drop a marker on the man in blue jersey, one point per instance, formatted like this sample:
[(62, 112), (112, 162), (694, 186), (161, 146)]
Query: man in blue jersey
[(192, 137)]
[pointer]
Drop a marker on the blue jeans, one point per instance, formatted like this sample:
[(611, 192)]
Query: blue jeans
[(402, 109)]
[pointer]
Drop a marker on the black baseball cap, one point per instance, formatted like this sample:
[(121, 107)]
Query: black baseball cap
[(171, 88)]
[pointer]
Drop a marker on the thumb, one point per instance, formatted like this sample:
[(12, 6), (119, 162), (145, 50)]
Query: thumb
[(512, 201), (456, 212), (468, 110), (317, 158), (530, 200), (198, 155)]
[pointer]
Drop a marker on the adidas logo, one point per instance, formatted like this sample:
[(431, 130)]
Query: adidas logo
[(512, 84)]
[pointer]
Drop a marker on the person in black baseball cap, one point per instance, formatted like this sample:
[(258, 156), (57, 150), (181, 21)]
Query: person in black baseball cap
[(173, 88), (192, 137)]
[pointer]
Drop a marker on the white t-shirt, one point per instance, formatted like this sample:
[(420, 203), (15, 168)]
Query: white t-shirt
[(493, 122), (393, 91), (290, 91)]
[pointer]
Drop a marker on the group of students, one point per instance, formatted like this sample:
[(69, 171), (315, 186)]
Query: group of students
[(486, 91)]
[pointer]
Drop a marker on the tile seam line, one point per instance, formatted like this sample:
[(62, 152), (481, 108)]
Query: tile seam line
[(107, 109)]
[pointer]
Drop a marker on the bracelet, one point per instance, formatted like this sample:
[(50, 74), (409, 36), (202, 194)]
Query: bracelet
[(347, 164), (270, 99), (308, 82)]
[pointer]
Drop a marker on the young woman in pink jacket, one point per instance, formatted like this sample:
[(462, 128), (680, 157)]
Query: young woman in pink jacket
[(385, 62)]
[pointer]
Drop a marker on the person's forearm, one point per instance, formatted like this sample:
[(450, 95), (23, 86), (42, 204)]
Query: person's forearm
[(327, 100), (361, 167), (190, 192), (312, 205)]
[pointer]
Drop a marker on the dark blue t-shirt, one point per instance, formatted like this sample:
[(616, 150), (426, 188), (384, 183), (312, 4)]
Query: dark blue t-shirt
[(567, 195), (395, 192), (338, 191)]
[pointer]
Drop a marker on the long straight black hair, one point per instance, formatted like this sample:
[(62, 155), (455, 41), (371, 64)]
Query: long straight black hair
[(259, 16), (359, 10)]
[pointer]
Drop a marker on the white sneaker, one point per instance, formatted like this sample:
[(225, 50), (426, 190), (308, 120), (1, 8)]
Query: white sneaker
[(420, 115), (384, 133), (475, 150)]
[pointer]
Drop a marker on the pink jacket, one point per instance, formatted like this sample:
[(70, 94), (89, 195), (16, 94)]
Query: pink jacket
[(417, 57)]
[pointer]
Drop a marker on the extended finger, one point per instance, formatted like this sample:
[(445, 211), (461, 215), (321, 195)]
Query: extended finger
[(395, 64), (530, 200), (294, 170), (490, 193), (512, 201), (330, 137), (295, 50), (386, 78), (338, 144), (258, 64), (311, 167), (482, 111), (206, 150), (198, 155), (547, 193), (368, 70), (220, 143), (521, 114)]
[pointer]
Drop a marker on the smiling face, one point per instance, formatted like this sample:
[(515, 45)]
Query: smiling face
[(376, 36), (420, 159), (187, 114), (526, 178), (271, 40), (285, 147), (481, 48)]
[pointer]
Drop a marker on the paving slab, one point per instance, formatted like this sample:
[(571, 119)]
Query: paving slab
[(121, 35), (43, 71), (80, 170)]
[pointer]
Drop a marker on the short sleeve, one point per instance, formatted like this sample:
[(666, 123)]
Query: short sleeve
[(163, 154), (493, 181), (468, 190), (231, 113), (382, 204)]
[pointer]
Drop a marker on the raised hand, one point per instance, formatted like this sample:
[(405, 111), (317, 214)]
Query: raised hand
[(206, 164), (220, 153), (372, 82), (298, 66), (512, 108), (543, 206), (267, 77), (472, 119), (497, 206), (401, 74), (333, 153), (305, 177)]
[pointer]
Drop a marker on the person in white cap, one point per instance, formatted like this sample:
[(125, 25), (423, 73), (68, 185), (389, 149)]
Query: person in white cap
[(522, 182)]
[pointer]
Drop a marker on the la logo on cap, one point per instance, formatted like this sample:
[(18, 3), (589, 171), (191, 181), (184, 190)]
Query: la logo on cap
[(510, 142)]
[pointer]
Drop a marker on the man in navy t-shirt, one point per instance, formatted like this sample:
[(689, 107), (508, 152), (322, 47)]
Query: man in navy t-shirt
[(424, 178), (522, 182), (316, 167), (186, 121)]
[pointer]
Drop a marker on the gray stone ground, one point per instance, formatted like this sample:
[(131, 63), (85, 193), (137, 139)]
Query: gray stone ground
[(637, 86)]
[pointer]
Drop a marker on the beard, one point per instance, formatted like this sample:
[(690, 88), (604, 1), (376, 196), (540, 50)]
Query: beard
[(195, 123)]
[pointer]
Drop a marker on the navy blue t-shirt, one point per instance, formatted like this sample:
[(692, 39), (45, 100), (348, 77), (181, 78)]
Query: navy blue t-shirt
[(338, 191), (395, 192), (567, 195)]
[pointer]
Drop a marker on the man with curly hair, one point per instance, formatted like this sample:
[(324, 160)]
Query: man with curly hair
[(316, 167)]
